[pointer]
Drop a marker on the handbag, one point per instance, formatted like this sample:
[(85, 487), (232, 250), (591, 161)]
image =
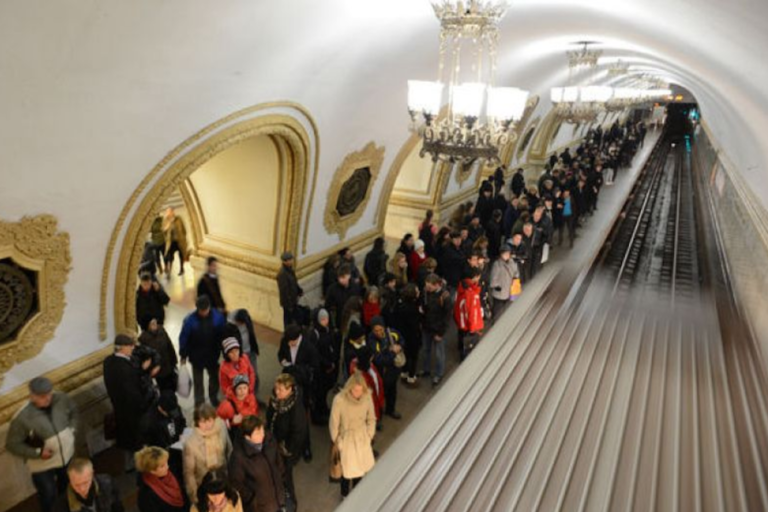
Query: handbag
[(400, 359), (184, 385), (515, 289), (334, 471)]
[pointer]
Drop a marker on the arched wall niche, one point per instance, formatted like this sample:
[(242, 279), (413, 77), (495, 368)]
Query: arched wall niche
[(293, 132)]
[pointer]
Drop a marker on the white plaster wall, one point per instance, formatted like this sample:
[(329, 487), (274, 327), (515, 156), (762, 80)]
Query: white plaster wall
[(94, 94)]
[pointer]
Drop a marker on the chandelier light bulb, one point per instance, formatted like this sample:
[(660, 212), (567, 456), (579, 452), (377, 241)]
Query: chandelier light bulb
[(468, 99), (425, 97), (506, 103)]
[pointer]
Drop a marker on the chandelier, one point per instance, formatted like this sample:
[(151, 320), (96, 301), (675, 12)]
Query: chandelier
[(618, 68), (583, 57), (479, 118), (577, 105)]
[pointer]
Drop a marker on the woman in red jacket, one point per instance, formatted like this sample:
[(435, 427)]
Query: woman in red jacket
[(234, 364), (364, 363), (468, 312), (417, 257)]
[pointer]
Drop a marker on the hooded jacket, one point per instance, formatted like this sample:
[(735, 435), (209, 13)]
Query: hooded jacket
[(468, 310)]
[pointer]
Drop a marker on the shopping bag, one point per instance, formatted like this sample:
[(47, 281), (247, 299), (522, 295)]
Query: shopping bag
[(184, 386), (516, 289), (545, 254)]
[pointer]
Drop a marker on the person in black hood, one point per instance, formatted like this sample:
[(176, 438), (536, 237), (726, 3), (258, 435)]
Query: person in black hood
[(375, 262)]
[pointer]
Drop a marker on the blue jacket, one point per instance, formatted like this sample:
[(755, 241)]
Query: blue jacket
[(200, 339)]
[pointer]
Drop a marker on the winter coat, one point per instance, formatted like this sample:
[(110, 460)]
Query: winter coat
[(288, 286), (106, 498), (518, 183), (327, 347), (437, 311), (383, 357), (352, 427), (414, 262), (157, 429), (160, 342), (231, 407), (176, 232), (149, 501), (493, 233), (407, 321), (468, 310), (123, 380), (305, 366), (502, 275), (210, 287), (375, 266), (55, 427), (375, 386), (452, 265), (200, 338), (229, 370), (151, 304), (258, 475), (198, 459), (158, 238), (287, 421), (335, 299)]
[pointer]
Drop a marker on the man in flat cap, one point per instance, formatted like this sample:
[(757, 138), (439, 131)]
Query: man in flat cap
[(123, 380), (43, 434)]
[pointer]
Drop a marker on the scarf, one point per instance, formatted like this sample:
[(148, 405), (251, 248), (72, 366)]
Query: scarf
[(166, 488), (281, 406)]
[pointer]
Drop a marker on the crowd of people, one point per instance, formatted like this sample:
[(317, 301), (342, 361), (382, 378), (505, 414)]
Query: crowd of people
[(376, 329)]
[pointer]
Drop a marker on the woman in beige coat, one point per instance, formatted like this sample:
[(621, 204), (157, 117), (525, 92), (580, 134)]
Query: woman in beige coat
[(353, 425), (208, 448)]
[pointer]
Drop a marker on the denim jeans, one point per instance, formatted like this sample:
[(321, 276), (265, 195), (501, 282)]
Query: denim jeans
[(431, 344), (49, 485)]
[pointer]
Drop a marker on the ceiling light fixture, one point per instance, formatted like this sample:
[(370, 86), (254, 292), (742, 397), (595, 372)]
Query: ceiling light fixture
[(479, 119)]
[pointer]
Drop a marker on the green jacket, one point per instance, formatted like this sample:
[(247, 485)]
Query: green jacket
[(32, 427)]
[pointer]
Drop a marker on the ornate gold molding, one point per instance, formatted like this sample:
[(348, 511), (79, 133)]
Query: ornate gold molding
[(389, 182), (370, 157), (34, 244), (283, 126)]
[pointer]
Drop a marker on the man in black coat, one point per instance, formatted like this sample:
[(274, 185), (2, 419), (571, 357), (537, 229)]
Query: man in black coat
[(518, 182), (88, 492), (299, 357), (209, 285), (437, 313), (290, 291), (452, 262), (151, 299), (256, 469), (123, 380), (339, 293)]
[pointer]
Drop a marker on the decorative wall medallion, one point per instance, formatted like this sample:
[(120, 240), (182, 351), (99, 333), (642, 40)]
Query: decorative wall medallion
[(351, 188), (353, 191), (34, 264)]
